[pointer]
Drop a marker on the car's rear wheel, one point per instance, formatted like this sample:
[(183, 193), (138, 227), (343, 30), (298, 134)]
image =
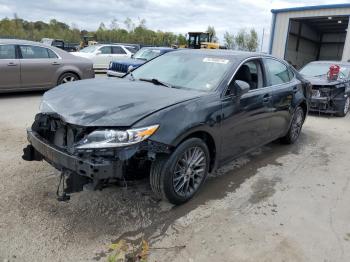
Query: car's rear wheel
[(66, 78), (344, 109), (178, 178), (295, 127)]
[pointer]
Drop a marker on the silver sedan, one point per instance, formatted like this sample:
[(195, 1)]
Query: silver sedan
[(26, 65)]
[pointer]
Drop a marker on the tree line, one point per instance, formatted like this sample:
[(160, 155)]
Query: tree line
[(243, 40), (126, 32)]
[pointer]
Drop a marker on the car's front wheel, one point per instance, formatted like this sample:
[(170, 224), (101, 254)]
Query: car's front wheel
[(178, 178), (344, 109)]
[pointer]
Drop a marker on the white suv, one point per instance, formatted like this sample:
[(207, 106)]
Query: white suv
[(102, 55)]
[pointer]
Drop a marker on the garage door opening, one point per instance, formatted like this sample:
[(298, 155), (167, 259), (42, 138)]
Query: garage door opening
[(319, 38)]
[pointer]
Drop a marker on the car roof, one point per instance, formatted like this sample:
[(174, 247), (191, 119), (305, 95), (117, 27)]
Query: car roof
[(158, 47), (20, 42), (224, 53)]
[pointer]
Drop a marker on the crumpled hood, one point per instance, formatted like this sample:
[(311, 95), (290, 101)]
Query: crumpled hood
[(130, 61), (322, 81), (110, 102)]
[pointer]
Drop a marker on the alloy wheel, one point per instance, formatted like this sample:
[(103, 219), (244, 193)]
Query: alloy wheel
[(189, 171), (68, 79), (297, 124)]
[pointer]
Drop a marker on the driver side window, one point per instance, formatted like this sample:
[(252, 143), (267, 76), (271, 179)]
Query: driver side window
[(251, 73)]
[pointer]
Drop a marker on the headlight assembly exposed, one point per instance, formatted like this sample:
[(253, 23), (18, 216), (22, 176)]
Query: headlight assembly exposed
[(116, 138)]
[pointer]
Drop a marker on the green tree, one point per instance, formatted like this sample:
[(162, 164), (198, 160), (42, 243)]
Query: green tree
[(252, 41), (247, 41), (229, 40), (212, 33)]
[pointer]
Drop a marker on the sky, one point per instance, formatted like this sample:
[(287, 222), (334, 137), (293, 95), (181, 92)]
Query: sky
[(178, 16)]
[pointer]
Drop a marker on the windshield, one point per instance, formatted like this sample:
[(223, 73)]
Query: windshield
[(185, 70), (132, 49), (321, 69), (89, 49), (147, 54)]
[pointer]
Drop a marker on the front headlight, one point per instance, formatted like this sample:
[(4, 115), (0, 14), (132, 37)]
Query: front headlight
[(110, 65), (116, 138)]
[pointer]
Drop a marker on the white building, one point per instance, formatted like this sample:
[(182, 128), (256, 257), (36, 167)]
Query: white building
[(303, 34)]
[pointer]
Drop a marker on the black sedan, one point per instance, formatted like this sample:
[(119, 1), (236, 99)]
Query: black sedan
[(330, 94), (180, 116)]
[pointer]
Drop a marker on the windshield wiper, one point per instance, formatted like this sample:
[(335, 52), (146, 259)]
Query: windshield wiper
[(156, 82), (320, 75)]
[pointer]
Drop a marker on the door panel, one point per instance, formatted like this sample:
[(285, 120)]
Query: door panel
[(284, 87), (245, 122), (9, 67), (37, 69), (102, 60), (282, 105)]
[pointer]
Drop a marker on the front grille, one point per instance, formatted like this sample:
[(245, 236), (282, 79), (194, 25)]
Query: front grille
[(119, 67), (324, 91)]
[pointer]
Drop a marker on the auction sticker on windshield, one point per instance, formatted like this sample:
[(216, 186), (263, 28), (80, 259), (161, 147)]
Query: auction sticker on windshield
[(215, 60)]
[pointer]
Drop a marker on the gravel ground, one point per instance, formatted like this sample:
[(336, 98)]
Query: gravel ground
[(280, 203)]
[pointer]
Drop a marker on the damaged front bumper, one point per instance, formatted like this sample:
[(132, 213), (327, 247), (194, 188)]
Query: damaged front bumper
[(92, 166), (326, 105)]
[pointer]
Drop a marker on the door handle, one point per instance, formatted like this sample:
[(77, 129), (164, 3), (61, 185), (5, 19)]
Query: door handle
[(55, 63), (12, 64), (266, 98)]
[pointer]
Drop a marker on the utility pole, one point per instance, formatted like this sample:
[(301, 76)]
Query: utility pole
[(262, 39)]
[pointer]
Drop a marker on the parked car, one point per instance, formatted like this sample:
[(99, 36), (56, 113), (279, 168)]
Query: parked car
[(102, 55), (121, 68), (329, 94), (69, 47), (184, 114), (26, 65)]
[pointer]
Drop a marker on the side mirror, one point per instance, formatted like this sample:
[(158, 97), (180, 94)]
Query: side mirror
[(98, 52), (242, 87), (132, 56)]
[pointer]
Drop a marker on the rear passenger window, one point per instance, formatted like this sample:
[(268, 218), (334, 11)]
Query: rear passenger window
[(106, 50), (7, 52), (33, 52), (278, 73), (52, 54), (118, 50)]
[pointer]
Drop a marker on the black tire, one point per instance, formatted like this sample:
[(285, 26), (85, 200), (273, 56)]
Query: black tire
[(295, 127), (165, 173), (344, 108), (66, 78)]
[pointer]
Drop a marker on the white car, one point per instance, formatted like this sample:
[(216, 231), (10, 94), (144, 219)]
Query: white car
[(102, 55)]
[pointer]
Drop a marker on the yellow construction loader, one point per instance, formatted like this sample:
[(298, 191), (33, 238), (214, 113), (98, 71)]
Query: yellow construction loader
[(201, 40)]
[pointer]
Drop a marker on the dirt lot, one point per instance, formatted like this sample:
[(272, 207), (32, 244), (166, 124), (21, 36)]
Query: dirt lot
[(281, 203)]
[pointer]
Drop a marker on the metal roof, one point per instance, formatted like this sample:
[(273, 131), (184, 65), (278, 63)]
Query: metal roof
[(314, 7)]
